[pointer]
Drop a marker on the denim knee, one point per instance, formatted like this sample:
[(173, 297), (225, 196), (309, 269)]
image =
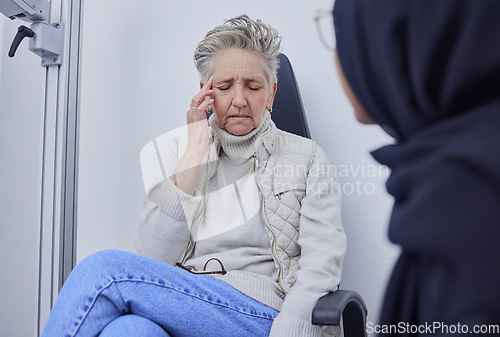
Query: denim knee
[(105, 257), (103, 263)]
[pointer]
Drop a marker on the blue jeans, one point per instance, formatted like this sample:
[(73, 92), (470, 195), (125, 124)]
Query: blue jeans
[(116, 293)]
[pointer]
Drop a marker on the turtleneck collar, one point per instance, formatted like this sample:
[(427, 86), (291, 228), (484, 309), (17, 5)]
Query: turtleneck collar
[(239, 148)]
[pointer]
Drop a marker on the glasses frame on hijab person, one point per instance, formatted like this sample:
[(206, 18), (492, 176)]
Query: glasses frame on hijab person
[(323, 19)]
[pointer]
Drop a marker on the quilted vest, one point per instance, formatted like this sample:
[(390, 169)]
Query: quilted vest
[(281, 163)]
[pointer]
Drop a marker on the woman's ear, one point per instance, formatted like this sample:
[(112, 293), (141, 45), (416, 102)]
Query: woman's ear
[(271, 98)]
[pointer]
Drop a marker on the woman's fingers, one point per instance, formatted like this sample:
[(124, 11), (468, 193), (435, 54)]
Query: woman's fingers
[(205, 92), (205, 105), (197, 119), (208, 84), (201, 102), (199, 113)]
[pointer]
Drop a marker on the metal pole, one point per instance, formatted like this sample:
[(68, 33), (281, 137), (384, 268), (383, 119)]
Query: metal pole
[(57, 204)]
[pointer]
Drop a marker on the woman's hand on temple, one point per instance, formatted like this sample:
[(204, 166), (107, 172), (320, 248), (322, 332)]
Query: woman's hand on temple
[(185, 174), (197, 120)]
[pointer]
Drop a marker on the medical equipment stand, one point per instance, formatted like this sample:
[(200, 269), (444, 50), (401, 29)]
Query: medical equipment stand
[(59, 45)]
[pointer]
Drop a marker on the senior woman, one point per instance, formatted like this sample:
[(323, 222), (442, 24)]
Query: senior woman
[(241, 231)]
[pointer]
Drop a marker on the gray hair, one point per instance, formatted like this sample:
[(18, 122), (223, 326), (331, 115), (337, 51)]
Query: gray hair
[(243, 33)]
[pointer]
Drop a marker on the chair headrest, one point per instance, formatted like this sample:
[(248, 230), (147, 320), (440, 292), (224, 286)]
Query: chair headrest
[(288, 111)]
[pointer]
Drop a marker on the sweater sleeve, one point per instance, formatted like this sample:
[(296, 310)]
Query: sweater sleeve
[(163, 232), (323, 244), (161, 236)]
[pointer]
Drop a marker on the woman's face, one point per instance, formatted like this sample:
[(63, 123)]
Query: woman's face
[(241, 90), (359, 111)]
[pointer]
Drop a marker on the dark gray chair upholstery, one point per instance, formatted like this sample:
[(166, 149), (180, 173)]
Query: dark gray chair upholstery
[(288, 111), (289, 115)]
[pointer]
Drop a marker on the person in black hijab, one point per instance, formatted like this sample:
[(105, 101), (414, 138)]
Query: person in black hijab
[(428, 72)]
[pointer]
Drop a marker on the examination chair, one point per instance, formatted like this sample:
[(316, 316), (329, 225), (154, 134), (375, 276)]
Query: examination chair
[(289, 115)]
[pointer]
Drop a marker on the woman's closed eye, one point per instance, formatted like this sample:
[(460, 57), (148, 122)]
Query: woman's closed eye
[(254, 88)]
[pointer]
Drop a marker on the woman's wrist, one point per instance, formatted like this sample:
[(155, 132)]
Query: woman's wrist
[(195, 153), (185, 175)]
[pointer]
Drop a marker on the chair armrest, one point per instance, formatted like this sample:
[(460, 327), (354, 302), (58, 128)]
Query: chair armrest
[(346, 304)]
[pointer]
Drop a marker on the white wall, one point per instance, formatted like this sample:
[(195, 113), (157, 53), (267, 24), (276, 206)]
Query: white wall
[(137, 81), (20, 106)]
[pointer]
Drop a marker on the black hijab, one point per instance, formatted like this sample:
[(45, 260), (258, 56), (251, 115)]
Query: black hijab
[(428, 71)]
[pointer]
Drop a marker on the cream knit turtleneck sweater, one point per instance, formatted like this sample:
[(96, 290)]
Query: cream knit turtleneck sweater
[(239, 148)]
